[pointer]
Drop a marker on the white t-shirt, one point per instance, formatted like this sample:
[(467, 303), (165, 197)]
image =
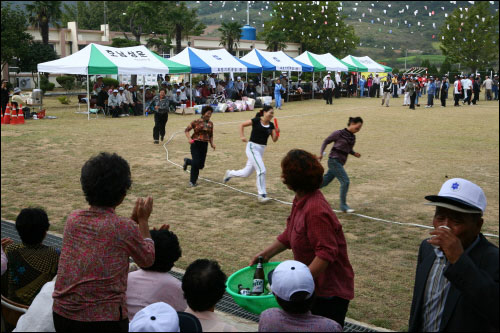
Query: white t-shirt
[(211, 82), (337, 78)]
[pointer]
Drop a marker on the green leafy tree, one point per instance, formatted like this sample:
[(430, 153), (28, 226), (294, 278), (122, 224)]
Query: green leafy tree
[(319, 28), (35, 53), (184, 22), (425, 63), (472, 38), (433, 70), (15, 39), (275, 40), (43, 13), (122, 42), (85, 13), (67, 82), (230, 35), (445, 68), (137, 17)]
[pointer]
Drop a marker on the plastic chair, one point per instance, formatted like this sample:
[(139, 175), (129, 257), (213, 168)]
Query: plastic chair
[(11, 311)]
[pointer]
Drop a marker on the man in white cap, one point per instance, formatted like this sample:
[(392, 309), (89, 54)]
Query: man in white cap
[(293, 286), (240, 87), (456, 284), (114, 102), (123, 101), (328, 86), (177, 98)]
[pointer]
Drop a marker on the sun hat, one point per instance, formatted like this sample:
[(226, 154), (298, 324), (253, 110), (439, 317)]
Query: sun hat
[(17, 90), (460, 195)]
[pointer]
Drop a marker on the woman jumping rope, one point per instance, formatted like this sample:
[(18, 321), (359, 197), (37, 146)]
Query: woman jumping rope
[(277, 93), (344, 142), (262, 128)]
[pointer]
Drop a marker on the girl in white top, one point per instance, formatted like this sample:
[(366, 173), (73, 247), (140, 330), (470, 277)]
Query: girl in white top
[(262, 128)]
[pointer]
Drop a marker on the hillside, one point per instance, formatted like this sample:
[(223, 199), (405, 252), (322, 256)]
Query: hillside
[(386, 28)]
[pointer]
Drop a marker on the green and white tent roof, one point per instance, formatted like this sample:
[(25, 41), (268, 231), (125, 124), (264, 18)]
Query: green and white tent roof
[(100, 59), (356, 66), (323, 62)]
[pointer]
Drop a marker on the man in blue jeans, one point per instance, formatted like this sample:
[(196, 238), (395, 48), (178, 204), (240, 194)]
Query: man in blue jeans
[(344, 141)]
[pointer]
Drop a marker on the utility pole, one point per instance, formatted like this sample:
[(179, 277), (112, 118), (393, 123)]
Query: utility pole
[(406, 55), (104, 12), (248, 12)]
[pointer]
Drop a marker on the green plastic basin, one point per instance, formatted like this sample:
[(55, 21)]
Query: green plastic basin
[(253, 304)]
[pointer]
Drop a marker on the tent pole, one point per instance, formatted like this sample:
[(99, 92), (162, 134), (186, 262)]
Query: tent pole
[(144, 96), (38, 80), (312, 86), (261, 83), (88, 97), (191, 89)]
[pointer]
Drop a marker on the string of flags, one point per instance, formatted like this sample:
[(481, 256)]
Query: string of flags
[(303, 12)]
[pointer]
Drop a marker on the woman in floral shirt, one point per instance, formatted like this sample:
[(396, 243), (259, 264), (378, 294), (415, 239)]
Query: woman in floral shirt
[(203, 134), (90, 291)]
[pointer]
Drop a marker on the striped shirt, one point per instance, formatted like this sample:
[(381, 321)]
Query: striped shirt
[(436, 291)]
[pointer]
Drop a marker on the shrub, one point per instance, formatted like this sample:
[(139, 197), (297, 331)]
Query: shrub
[(66, 81), (108, 82), (63, 99), (45, 85)]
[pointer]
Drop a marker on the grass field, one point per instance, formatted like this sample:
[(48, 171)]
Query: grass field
[(405, 156)]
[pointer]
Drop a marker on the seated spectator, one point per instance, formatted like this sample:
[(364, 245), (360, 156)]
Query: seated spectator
[(204, 284), (114, 102), (154, 284), (293, 286), (30, 264), (161, 317), (205, 91), (102, 97), (137, 98), (90, 291), (38, 318), (98, 85), (124, 103), (5, 242), (16, 98), (176, 99)]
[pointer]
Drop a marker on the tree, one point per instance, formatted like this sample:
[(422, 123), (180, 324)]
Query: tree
[(433, 70), (15, 39), (137, 17), (35, 53), (471, 38), (184, 22), (85, 13), (318, 27), (41, 14), (425, 63), (275, 40), (122, 42), (445, 67), (230, 35)]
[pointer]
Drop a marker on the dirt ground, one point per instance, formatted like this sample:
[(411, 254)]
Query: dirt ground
[(405, 156)]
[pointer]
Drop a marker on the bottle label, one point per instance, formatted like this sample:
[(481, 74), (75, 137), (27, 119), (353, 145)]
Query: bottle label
[(258, 286), (245, 291)]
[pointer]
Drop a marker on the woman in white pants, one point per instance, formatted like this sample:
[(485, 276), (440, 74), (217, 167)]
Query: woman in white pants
[(262, 128), (406, 100)]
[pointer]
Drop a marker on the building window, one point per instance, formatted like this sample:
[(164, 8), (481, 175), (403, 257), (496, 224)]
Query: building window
[(53, 46), (81, 46)]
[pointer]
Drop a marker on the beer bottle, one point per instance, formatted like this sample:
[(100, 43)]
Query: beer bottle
[(243, 291), (258, 278)]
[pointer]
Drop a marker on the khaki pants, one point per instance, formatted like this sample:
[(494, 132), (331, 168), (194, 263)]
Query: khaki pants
[(387, 96)]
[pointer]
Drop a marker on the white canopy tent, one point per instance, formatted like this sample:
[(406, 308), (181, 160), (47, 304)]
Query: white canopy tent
[(100, 59)]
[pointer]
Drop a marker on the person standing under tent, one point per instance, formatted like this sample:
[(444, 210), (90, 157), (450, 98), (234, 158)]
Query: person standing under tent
[(444, 91), (344, 141), (376, 86), (338, 85), (211, 83), (362, 83), (161, 105), (203, 134), (328, 86), (262, 128), (278, 88), (457, 90), (387, 91), (369, 84)]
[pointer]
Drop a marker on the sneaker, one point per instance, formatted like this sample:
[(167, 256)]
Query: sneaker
[(192, 185), (263, 198), (185, 166), (349, 210), (226, 177), (156, 142), (427, 106)]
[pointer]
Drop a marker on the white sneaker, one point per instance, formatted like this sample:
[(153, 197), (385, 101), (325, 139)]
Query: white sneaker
[(263, 199), (350, 210), (226, 177), (427, 106)]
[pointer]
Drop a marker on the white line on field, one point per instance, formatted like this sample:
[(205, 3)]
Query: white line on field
[(286, 202)]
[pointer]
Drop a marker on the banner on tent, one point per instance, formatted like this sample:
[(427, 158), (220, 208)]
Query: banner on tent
[(382, 76)]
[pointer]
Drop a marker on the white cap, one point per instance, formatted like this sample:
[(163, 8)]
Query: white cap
[(178, 90), (238, 78), (290, 277), (115, 90), (460, 195), (157, 317), (201, 83), (121, 88)]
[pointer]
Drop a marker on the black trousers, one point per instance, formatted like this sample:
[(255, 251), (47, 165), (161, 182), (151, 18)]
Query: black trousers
[(377, 90), (4, 106), (337, 91), (160, 123), (197, 163), (63, 324), (328, 95), (476, 97), (469, 96), (138, 109), (412, 100), (437, 92), (334, 308), (115, 111), (457, 99), (443, 99)]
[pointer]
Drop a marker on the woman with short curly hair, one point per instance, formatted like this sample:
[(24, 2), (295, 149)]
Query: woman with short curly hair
[(90, 291), (315, 236)]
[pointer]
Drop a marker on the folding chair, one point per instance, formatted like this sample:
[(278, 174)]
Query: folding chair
[(11, 311)]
